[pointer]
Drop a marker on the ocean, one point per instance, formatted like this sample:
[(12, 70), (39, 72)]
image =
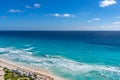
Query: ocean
[(74, 55)]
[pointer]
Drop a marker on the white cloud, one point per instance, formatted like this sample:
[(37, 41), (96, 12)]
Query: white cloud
[(14, 11), (106, 3), (62, 15), (96, 19), (36, 5), (68, 15), (27, 6), (56, 14), (116, 23), (89, 21)]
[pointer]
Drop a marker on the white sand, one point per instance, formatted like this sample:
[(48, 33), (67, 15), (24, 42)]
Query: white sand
[(40, 72), (1, 73)]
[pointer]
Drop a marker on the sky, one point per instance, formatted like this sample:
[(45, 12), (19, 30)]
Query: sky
[(59, 14)]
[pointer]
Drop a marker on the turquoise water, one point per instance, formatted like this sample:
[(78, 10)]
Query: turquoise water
[(72, 55)]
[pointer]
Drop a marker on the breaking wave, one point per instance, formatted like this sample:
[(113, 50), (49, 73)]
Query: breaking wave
[(51, 62)]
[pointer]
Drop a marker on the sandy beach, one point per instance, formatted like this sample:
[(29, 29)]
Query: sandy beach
[(40, 72), (1, 73)]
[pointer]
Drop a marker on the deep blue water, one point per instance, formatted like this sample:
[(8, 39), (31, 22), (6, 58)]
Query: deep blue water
[(75, 55)]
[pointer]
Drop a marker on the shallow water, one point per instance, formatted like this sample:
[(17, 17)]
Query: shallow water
[(72, 55)]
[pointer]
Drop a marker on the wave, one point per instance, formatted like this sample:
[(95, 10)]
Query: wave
[(12, 50), (51, 62), (27, 45), (28, 49)]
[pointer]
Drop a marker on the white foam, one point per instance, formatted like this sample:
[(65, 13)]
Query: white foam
[(14, 51), (28, 49), (2, 49), (59, 63)]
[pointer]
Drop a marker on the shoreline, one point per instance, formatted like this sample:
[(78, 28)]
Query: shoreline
[(40, 72)]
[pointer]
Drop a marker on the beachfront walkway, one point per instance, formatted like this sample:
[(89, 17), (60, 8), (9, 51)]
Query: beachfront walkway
[(1, 74)]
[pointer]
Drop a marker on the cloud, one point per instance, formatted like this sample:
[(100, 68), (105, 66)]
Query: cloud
[(96, 19), (90, 21), (106, 3), (68, 15), (36, 5), (62, 15), (56, 15), (116, 23), (14, 11), (27, 6)]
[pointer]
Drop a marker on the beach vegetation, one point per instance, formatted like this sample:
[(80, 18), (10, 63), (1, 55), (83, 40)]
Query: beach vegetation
[(12, 75)]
